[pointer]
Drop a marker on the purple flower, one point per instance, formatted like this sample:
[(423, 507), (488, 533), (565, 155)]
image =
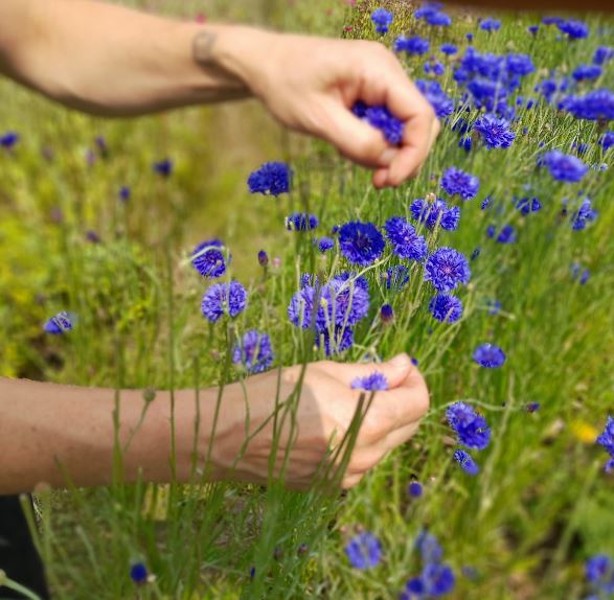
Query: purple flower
[(375, 382), (60, 323), (325, 244), (406, 243), (587, 72), (564, 167), (603, 55), (263, 258), (415, 45), (429, 548), (272, 178), (254, 352), (224, 299), (448, 49), (607, 140), (364, 551), (438, 19), (382, 20), (163, 167), (466, 463), (495, 132), (597, 105), (599, 571), (489, 356), (438, 579), (575, 30), (585, 214), (208, 258), (386, 313), (138, 573), (414, 489), (446, 308), (361, 243), (490, 24), (442, 104), (446, 268), (507, 234), (301, 222), (9, 139), (606, 438), (470, 427), (456, 182), (124, 193), (433, 213)]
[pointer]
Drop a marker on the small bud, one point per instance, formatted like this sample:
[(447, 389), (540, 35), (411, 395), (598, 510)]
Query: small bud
[(263, 258)]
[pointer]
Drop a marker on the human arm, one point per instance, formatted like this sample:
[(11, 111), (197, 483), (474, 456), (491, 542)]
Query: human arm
[(49, 431)]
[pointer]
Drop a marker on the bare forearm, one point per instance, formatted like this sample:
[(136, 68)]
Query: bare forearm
[(110, 60), (49, 432)]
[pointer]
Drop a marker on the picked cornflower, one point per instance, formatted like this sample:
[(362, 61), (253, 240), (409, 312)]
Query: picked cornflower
[(564, 167), (470, 427), (60, 323), (446, 308), (301, 222), (489, 356), (432, 213), (364, 551), (254, 352), (224, 299), (382, 19), (376, 382), (164, 167), (381, 118), (406, 243), (456, 182), (494, 131), (466, 462), (361, 243), (208, 258), (271, 178), (606, 141), (446, 269)]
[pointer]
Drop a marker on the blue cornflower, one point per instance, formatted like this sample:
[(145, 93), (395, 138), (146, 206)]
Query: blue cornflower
[(271, 178), (587, 72), (466, 143), (564, 167), (381, 118), (438, 19), (507, 234), (124, 193), (446, 308), (414, 489), (533, 29), (337, 341), (528, 205), (584, 215), (446, 268), (325, 244), (495, 132), (597, 105), (603, 55), (382, 20), (349, 297), (606, 438), (9, 139), (254, 352), (579, 274), (386, 314), (532, 407), (574, 29), (466, 462), (607, 140), (456, 182), (489, 356), (301, 222), (429, 548), (364, 551), (406, 243), (438, 579), (395, 278), (263, 258), (599, 570), (442, 104), (427, 9), (138, 573), (448, 49), (163, 167), (470, 427), (224, 299), (208, 258), (490, 24), (376, 382), (436, 68), (414, 45), (60, 323), (361, 243), (436, 212)]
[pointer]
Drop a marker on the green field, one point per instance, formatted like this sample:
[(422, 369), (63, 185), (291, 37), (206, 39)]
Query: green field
[(541, 504)]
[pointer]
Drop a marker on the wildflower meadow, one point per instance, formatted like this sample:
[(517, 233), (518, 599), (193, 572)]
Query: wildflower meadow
[(193, 249)]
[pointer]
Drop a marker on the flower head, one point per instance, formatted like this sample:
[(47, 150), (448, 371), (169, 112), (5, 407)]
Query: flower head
[(406, 243), (224, 299), (382, 20), (164, 167), (361, 243), (490, 24), (448, 49), (466, 463), (60, 323), (603, 55), (301, 222), (564, 167), (489, 356), (456, 182), (386, 313), (364, 551), (414, 489), (574, 29), (138, 573), (325, 244), (208, 258), (415, 45), (495, 132), (470, 427), (254, 352), (446, 308), (446, 268), (272, 178), (9, 139), (375, 382), (606, 438), (436, 212)]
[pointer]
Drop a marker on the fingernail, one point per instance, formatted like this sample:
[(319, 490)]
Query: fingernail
[(400, 360), (387, 156)]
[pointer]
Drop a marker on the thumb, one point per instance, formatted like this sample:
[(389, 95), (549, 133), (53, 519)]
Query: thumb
[(356, 139), (396, 370)]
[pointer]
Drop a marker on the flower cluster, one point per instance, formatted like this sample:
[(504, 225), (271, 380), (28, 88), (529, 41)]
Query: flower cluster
[(271, 178), (364, 551), (470, 427), (376, 382)]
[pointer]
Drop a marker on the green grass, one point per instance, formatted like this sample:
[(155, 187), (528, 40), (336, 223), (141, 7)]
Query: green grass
[(541, 504)]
